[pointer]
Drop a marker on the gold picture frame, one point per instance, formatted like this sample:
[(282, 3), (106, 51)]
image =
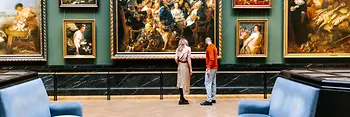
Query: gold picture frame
[(252, 31), (79, 38), (313, 37), (117, 53), (23, 39), (78, 3), (260, 4)]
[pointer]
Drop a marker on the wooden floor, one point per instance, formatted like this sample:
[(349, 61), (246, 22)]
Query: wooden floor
[(158, 108)]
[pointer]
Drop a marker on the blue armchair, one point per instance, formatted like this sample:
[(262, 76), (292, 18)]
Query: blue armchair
[(30, 99), (288, 99)]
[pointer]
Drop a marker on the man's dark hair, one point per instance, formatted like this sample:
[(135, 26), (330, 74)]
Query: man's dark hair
[(259, 27), (18, 5)]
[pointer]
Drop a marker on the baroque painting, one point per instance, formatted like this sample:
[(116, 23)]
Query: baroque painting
[(22, 30), (252, 38), (79, 38), (316, 28), (78, 3), (149, 29), (251, 3)]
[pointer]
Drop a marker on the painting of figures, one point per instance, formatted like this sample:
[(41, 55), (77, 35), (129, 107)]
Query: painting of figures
[(252, 38), (78, 3), (150, 28), (79, 38), (249, 4), (317, 28), (21, 30)]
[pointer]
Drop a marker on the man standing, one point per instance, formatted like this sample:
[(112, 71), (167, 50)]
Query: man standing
[(210, 73)]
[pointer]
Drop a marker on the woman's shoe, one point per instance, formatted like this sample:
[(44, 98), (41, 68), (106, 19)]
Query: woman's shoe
[(181, 102)]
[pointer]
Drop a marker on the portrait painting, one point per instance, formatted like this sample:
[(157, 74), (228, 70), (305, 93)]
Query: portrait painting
[(252, 38), (22, 30), (79, 38), (316, 28), (78, 3), (252, 4), (151, 29)]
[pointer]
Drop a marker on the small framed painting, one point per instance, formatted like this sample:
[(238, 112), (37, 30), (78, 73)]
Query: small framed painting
[(252, 38), (79, 39), (252, 4), (78, 3)]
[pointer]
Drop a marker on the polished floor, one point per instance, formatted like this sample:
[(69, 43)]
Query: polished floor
[(157, 108)]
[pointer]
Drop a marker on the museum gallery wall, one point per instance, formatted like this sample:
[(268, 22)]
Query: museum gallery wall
[(150, 29)]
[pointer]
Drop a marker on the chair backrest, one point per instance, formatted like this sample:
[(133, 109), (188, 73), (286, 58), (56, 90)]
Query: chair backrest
[(293, 99), (28, 99)]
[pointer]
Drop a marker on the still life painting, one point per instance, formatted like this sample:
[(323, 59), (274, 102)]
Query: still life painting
[(151, 29), (252, 4), (317, 28), (79, 38), (78, 3), (22, 34), (252, 38)]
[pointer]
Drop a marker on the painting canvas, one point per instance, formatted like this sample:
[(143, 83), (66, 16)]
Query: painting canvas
[(252, 38), (150, 29), (317, 28), (79, 38), (78, 3), (22, 30), (252, 4)]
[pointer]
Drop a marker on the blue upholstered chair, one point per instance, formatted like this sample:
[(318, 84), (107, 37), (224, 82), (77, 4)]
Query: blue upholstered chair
[(30, 99), (288, 99)]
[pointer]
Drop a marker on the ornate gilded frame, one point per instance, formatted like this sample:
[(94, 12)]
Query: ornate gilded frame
[(93, 28), (266, 42), (43, 42), (115, 55), (77, 5), (303, 55), (234, 5)]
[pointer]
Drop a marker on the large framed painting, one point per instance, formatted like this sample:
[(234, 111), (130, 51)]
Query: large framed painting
[(23, 30), (252, 38), (78, 3), (150, 29), (79, 38), (316, 28), (252, 4)]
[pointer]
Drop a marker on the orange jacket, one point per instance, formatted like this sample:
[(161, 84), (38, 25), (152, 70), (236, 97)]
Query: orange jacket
[(211, 57)]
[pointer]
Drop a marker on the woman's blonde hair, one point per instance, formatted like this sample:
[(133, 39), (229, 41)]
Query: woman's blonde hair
[(182, 44)]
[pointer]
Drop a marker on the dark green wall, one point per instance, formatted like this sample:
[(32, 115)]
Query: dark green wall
[(55, 15), (101, 15)]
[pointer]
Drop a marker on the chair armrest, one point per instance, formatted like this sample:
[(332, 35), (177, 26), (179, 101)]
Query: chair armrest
[(252, 106), (66, 108)]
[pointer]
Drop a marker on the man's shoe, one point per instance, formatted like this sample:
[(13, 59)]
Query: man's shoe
[(183, 102), (206, 103), (213, 101)]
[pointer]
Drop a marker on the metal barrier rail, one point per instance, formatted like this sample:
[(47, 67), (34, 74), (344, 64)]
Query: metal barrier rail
[(161, 83)]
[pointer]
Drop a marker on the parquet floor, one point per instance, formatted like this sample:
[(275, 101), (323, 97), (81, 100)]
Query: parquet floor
[(157, 108)]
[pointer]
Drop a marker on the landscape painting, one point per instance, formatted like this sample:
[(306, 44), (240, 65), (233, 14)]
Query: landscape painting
[(22, 30), (316, 28), (150, 29)]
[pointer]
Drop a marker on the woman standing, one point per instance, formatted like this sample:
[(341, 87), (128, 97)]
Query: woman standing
[(184, 69)]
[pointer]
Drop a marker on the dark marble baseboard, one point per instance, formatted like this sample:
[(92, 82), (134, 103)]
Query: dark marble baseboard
[(168, 66), (149, 84)]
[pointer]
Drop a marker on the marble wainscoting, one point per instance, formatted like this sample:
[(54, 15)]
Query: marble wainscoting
[(149, 83)]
